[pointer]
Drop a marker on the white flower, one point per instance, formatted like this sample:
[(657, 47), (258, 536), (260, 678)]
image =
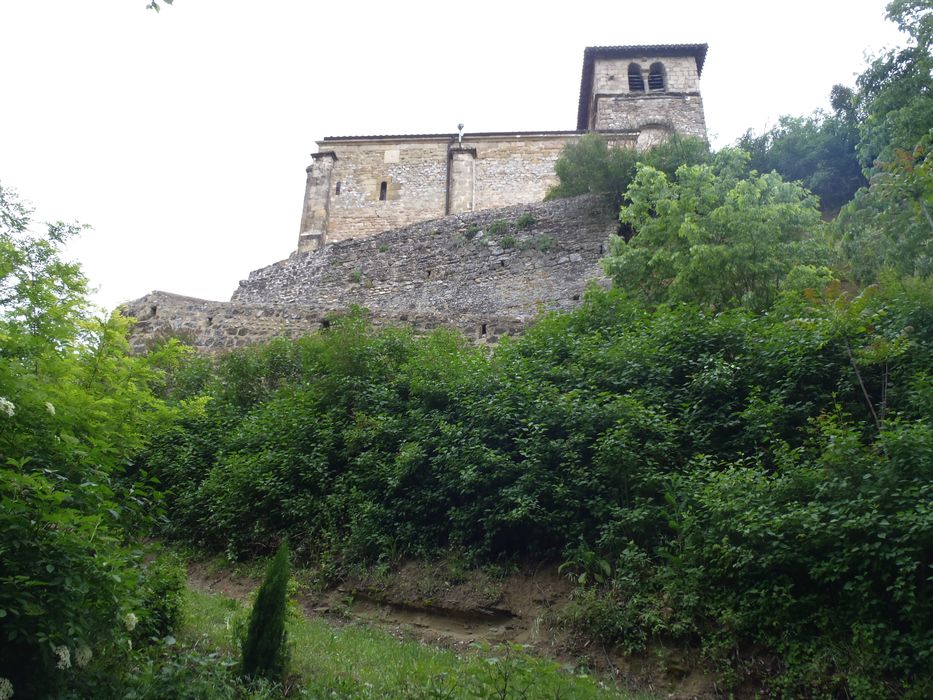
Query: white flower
[(64, 657), (129, 621), (83, 655), (6, 406), (50, 408), (6, 689)]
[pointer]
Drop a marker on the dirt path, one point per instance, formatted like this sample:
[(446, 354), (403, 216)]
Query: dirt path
[(426, 602), (442, 608)]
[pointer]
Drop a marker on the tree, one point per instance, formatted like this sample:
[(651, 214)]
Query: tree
[(592, 166), (74, 409), (819, 151), (895, 93), (264, 647), (714, 235), (889, 225)]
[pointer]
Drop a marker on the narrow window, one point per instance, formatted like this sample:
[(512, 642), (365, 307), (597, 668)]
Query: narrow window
[(337, 188), (482, 331), (656, 77), (383, 188), (636, 83)]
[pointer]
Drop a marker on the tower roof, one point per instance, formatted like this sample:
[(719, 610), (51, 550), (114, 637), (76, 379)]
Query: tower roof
[(592, 53)]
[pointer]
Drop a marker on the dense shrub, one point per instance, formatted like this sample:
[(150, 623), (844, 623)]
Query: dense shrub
[(591, 166), (74, 409), (160, 592), (758, 476)]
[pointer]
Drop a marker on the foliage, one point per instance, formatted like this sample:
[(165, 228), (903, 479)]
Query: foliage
[(591, 166), (160, 592), (889, 225), (362, 662), (819, 151), (172, 672), (264, 648), (75, 408), (526, 220), (714, 235), (895, 93), (620, 434), (498, 226), (154, 4)]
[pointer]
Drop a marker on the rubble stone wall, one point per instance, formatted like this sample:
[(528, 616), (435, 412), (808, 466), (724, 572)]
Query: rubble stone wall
[(487, 273)]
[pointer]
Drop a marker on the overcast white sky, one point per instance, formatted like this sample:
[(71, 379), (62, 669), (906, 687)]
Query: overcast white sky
[(182, 137)]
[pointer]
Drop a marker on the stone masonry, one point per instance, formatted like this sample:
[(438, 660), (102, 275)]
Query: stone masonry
[(443, 229), (487, 273), (358, 186)]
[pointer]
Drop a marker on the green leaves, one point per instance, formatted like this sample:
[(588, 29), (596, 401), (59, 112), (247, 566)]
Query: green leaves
[(81, 410), (714, 235), (591, 166)]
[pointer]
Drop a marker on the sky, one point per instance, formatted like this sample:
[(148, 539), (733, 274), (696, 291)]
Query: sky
[(182, 137)]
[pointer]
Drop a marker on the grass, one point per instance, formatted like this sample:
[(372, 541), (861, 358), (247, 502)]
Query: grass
[(358, 661)]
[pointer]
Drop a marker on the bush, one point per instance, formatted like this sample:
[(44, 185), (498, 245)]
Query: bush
[(75, 408), (543, 244), (591, 166), (161, 600), (526, 220), (498, 226), (700, 454)]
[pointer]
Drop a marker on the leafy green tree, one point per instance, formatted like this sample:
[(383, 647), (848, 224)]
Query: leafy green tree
[(265, 648), (895, 93), (819, 151), (591, 166), (74, 409), (889, 225), (714, 235)]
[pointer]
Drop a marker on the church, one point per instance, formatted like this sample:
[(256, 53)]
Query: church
[(358, 186)]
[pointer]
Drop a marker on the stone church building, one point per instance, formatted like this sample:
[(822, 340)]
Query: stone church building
[(358, 186)]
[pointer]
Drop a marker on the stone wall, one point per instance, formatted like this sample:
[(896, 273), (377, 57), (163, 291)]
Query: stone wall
[(487, 273), (681, 113), (610, 76), (218, 326), (359, 185), (425, 177)]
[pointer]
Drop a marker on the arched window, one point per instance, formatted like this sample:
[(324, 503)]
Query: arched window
[(636, 83), (383, 189), (656, 77)]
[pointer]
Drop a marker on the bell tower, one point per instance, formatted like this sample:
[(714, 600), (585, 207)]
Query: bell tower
[(642, 93)]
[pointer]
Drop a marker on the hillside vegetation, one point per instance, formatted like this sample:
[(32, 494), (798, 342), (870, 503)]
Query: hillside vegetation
[(730, 452)]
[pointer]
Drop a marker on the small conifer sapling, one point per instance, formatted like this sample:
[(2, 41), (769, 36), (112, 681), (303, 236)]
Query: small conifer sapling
[(264, 649)]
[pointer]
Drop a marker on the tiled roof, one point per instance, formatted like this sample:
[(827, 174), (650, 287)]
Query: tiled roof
[(453, 137)]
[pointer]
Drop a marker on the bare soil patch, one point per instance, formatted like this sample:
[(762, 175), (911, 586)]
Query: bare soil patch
[(445, 607)]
